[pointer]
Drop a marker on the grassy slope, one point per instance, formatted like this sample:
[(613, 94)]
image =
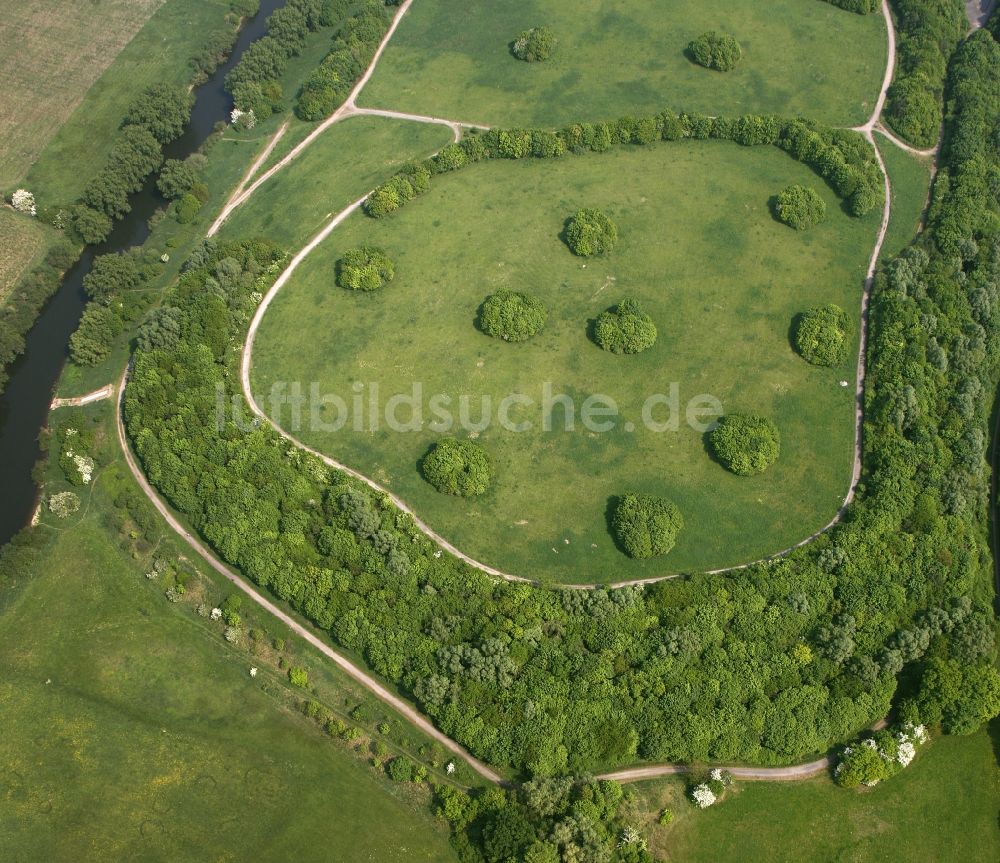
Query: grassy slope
[(301, 198), (61, 48), (159, 52), (132, 731), (910, 178), (22, 243), (943, 807), (621, 56), (719, 275)]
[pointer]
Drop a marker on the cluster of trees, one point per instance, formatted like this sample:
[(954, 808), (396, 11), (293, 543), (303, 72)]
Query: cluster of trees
[(513, 316), (927, 33), (365, 269), (861, 7), (821, 335), (590, 232), (843, 158), (746, 444), (254, 83), (460, 467), (646, 526), (799, 207), (767, 665), (718, 51), (534, 45), (357, 40), (625, 329)]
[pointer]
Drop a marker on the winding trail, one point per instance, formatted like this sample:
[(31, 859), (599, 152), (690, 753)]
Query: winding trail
[(349, 108)]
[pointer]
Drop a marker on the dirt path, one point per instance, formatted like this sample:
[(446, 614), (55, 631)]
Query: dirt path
[(77, 401), (370, 683)]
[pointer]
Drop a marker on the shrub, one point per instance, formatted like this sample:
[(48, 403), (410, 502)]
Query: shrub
[(626, 329), (298, 676), (591, 232), (92, 341), (646, 526), (534, 45), (450, 158), (186, 209), (458, 467), (512, 316), (400, 769), (365, 269), (713, 50), (800, 207), (821, 335), (861, 7), (745, 443)]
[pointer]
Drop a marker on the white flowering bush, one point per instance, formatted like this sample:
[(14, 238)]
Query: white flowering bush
[(631, 836), (24, 202), (216, 614), (242, 119), (880, 756), (702, 796), (64, 504)]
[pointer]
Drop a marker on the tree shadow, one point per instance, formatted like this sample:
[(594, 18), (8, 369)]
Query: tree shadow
[(793, 328), (706, 442), (609, 520)]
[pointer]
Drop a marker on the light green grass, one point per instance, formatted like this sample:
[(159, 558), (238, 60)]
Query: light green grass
[(910, 177), (721, 278), (627, 56), (302, 197), (943, 807), (23, 242), (132, 731), (159, 53)]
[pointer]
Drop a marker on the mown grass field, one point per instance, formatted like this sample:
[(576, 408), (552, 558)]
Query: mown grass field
[(701, 251), (910, 178), (627, 56), (943, 807), (303, 196), (61, 162), (133, 731), (22, 242)]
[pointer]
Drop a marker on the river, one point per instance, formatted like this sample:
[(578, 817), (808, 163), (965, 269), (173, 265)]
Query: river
[(24, 406)]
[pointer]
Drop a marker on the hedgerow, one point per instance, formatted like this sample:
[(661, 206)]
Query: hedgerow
[(698, 668)]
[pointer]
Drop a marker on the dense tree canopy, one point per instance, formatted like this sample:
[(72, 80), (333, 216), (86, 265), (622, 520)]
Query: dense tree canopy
[(365, 269), (513, 316), (821, 335), (535, 45), (460, 467), (646, 526), (799, 207), (746, 444), (591, 232), (718, 51), (625, 329)]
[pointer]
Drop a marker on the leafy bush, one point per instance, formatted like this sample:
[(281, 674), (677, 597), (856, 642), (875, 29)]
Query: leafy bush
[(646, 526), (800, 207), (458, 467), (861, 7), (365, 269), (512, 316), (534, 45), (177, 178), (745, 443), (163, 110), (400, 769), (92, 341), (718, 51), (626, 329), (821, 335), (298, 676), (590, 232)]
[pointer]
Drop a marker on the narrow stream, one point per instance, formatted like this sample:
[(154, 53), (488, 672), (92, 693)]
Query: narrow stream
[(24, 406)]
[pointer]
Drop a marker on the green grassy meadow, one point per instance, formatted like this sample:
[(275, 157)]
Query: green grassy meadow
[(302, 197), (133, 731), (23, 242), (910, 178), (699, 248), (943, 807), (627, 56)]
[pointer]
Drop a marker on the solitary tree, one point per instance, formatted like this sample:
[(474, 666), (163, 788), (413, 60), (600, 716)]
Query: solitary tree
[(458, 467), (745, 443), (718, 51), (646, 526), (365, 269), (535, 45), (512, 316), (626, 329), (800, 207), (591, 232), (821, 335)]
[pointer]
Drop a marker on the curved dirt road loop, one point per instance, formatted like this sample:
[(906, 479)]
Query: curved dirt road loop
[(370, 683)]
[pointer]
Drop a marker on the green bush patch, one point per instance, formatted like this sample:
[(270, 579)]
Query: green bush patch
[(512, 316), (646, 526), (534, 45), (718, 51), (626, 329), (800, 207), (745, 443), (458, 467), (365, 269), (590, 232), (821, 335)]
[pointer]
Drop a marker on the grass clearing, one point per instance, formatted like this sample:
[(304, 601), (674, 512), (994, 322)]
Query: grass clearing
[(159, 52), (626, 56), (943, 807), (699, 249), (23, 241), (133, 731), (295, 203), (910, 177)]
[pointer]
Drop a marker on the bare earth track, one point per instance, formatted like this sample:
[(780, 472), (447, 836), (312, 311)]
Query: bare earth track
[(406, 710)]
